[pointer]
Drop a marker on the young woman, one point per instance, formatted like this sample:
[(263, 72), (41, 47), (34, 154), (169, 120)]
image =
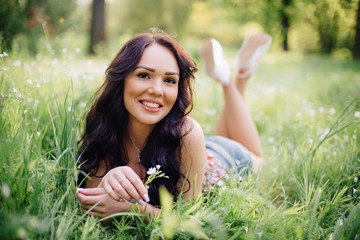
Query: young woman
[(140, 120)]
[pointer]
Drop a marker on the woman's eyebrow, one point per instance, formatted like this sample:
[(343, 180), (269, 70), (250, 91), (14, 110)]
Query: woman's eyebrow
[(147, 68), (153, 70), (171, 73)]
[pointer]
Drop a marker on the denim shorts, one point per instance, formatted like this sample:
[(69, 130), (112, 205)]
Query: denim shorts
[(234, 155)]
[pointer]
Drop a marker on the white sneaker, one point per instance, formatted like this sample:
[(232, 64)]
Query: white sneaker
[(250, 53), (216, 65)]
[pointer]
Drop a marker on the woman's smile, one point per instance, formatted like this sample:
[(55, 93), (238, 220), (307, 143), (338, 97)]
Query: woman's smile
[(151, 105)]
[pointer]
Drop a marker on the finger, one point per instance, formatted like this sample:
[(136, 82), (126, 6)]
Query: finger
[(95, 214), (110, 191), (121, 191), (89, 200), (139, 186), (131, 191), (91, 191)]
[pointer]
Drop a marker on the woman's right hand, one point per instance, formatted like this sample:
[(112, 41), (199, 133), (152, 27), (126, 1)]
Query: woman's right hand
[(123, 182)]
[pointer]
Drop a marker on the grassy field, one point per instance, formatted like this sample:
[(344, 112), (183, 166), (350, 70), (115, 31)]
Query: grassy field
[(307, 111)]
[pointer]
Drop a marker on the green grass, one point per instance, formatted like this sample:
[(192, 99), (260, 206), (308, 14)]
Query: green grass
[(306, 109)]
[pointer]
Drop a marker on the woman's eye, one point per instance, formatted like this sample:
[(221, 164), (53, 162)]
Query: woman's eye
[(170, 80), (143, 75)]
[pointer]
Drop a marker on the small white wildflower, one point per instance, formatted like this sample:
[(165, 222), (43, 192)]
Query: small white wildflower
[(29, 99), (69, 109), (299, 114), (260, 234), (38, 85), (240, 179), (321, 109), (356, 179), (310, 140), (158, 166), (246, 229), (274, 170), (226, 176), (311, 112), (1, 55), (332, 111), (5, 54), (36, 101), (5, 190), (35, 119), (354, 136), (5, 69), (346, 138), (220, 183), (78, 50), (17, 64), (223, 187), (29, 81), (334, 153), (151, 171), (339, 222), (64, 50), (271, 139), (354, 190), (15, 90), (25, 111), (83, 104), (357, 114), (38, 133)]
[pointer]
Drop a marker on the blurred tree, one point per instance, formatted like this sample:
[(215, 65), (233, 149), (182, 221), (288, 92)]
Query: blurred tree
[(170, 16), (327, 24), (285, 22), (356, 48), (272, 15), (97, 31), (12, 19), (33, 18)]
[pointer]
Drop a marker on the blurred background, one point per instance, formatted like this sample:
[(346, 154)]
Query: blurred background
[(100, 27)]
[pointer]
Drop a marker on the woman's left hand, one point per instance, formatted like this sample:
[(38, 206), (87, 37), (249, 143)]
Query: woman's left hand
[(106, 205)]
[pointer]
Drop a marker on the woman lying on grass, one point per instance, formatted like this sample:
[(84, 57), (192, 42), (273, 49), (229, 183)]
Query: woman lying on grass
[(141, 120)]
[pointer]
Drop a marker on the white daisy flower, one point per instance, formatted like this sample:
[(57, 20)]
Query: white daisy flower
[(151, 171)]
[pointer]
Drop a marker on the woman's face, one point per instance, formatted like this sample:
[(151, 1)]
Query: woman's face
[(150, 91)]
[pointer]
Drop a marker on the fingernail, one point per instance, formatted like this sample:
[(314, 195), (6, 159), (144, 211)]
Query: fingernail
[(121, 200), (78, 190), (133, 201), (141, 202), (146, 197)]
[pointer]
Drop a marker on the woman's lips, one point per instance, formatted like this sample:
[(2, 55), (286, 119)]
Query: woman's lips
[(151, 105)]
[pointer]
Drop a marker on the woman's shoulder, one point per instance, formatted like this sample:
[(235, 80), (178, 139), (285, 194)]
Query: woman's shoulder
[(192, 128)]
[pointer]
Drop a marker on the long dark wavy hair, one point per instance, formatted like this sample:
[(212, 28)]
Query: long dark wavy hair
[(107, 119)]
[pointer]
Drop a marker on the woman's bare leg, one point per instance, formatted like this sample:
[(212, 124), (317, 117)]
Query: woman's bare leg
[(235, 121)]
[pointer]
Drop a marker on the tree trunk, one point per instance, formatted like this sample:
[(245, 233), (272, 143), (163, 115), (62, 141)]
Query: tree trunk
[(285, 23), (97, 32), (356, 49)]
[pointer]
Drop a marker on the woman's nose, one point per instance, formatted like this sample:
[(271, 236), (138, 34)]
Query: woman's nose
[(156, 88)]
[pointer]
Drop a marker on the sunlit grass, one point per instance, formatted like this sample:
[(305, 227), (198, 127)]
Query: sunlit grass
[(307, 112)]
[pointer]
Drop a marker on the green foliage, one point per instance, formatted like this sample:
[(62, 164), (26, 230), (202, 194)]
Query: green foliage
[(139, 15), (309, 125), (12, 19), (34, 18)]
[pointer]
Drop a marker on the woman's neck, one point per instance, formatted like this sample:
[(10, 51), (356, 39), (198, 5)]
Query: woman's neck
[(138, 133)]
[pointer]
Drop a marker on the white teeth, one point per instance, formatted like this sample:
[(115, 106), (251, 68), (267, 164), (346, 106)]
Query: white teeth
[(151, 105)]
